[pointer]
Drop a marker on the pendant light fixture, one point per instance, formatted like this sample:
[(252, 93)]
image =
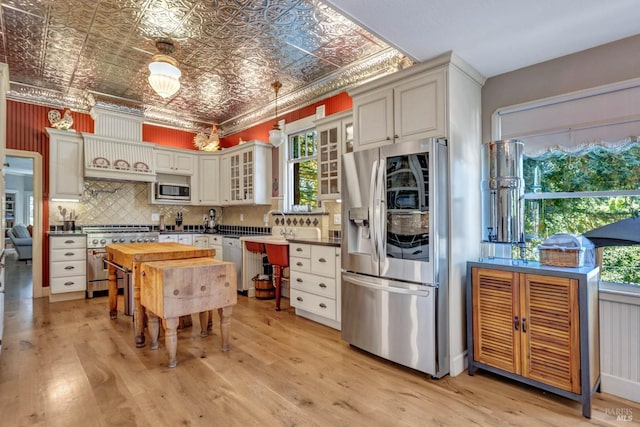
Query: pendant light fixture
[(164, 74), (276, 137)]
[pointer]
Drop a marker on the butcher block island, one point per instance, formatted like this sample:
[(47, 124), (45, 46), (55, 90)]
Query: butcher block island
[(173, 288), (127, 257)]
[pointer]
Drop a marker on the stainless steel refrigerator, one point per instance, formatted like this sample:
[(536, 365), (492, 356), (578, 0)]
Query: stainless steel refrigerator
[(394, 253)]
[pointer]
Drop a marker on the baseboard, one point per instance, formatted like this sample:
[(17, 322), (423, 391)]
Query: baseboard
[(319, 319), (620, 387), (458, 364), (66, 296)]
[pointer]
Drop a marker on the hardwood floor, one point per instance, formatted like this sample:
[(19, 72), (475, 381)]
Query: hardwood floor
[(68, 364)]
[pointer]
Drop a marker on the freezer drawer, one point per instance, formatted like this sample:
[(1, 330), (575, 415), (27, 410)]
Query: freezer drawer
[(391, 320)]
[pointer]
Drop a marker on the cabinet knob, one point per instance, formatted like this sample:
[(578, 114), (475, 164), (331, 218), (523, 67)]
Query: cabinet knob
[(388, 138), (299, 264), (322, 305), (322, 285), (396, 136), (299, 280), (299, 298), (68, 283), (322, 260), (298, 249)]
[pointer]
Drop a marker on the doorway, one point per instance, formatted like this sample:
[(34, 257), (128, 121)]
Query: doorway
[(23, 179)]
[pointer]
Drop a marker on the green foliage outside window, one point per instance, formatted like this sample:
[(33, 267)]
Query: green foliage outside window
[(303, 157), (596, 170)]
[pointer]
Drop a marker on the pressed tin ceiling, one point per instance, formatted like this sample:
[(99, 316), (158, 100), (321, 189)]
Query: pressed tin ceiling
[(81, 53)]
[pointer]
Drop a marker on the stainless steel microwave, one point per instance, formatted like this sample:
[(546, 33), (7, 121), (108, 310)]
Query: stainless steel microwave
[(172, 191)]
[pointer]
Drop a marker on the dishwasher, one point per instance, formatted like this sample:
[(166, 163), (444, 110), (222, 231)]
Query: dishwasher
[(232, 252)]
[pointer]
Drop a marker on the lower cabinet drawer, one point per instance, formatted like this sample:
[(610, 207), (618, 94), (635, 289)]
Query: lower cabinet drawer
[(68, 284), (323, 286), (300, 264), (69, 254), (66, 269), (313, 303)]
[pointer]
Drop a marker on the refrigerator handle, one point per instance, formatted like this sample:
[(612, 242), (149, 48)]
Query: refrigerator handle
[(391, 289), (372, 206), (380, 205)]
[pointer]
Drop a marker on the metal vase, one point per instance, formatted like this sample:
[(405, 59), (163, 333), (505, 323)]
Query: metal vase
[(503, 191)]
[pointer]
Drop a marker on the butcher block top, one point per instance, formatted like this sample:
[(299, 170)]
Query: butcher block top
[(173, 288), (126, 254)]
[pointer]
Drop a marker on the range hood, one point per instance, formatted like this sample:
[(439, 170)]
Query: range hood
[(116, 151), (117, 160)]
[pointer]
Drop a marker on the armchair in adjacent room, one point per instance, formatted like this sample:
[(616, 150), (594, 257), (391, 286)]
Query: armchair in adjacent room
[(21, 240)]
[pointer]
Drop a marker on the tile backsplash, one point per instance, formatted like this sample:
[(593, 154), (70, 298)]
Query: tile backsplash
[(126, 203)]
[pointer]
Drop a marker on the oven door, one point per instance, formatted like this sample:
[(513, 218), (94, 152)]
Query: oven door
[(98, 273)]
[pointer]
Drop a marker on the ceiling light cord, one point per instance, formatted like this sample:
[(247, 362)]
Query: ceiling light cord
[(276, 136)]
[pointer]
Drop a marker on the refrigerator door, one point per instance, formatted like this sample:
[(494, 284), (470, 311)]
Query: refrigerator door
[(394, 320), (359, 177), (407, 236)]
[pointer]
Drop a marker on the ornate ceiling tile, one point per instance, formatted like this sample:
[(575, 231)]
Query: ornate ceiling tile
[(81, 52)]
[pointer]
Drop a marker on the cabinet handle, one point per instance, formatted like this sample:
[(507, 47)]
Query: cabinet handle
[(515, 323), (68, 283), (322, 285), (299, 299), (69, 254), (524, 324), (68, 241), (322, 305), (299, 280), (299, 264), (298, 249), (388, 138), (69, 267), (396, 136), (322, 260)]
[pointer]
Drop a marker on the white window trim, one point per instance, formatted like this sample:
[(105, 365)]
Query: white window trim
[(290, 128)]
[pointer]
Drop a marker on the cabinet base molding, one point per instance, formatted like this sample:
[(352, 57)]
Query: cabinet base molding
[(621, 387), (320, 319), (458, 364), (66, 296)]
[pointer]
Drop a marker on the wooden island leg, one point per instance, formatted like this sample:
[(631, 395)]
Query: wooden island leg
[(113, 292), (138, 309), (204, 323), (171, 339), (225, 323), (154, 329)]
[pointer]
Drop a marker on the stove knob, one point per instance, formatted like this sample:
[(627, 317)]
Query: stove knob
[(114, 240), (103, 241), (153, 239), (140, 240), (133, 240), (122, 240), (146, 240), (95, 241)]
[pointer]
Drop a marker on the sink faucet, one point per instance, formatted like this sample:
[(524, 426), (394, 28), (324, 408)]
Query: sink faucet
[(285, 232)]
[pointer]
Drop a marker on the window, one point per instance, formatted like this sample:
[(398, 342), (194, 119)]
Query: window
[(303, 168), (577, 192)]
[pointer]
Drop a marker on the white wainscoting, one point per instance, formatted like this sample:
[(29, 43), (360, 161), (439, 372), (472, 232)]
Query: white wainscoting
[(620, 341)]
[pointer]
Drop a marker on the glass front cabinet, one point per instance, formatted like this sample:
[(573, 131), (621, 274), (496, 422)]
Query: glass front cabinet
[(335, 137)]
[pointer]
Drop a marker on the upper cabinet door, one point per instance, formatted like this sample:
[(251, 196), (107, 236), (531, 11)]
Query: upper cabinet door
[(184, 163), (209, 181), (66, 172), (374, 119), (164, 161), (173, 162), (419, 107)]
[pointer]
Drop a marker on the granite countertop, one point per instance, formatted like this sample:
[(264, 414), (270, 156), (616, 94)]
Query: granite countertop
[(66, 233), (323, 241)]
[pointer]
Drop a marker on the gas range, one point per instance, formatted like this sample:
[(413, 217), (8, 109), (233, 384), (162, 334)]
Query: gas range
[(99, 237)]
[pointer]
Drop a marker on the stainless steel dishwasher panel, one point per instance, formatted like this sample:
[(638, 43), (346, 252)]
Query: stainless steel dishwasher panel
[(232, 252)]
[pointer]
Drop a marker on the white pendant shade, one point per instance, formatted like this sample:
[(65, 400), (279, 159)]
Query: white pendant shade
[(164, 78), (276, 137)]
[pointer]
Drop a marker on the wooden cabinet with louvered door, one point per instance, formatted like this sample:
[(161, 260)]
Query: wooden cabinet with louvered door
[(536, 324), (550, 331), (495, 303)]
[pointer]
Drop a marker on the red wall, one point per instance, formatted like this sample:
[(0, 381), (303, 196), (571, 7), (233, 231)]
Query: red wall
[(335, 104), (168, 137)]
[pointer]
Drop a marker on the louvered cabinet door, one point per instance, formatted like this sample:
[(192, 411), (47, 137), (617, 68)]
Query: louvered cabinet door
[(551, 331), (495, 297)]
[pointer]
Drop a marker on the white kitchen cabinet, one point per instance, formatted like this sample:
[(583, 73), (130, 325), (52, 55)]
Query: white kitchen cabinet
[(184, 238), (403, 110), (209, 241), (208, 181), (225, 184), (176, 161), (67, 267), (332, 139), (66, 166), (248, 174), (315, 282)]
